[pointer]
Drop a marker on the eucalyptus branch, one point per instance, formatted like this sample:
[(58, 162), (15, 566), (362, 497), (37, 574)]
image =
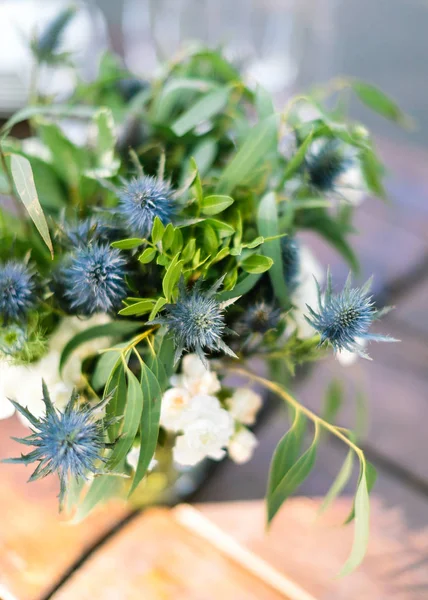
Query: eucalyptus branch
[(317, 420), (12, 193)]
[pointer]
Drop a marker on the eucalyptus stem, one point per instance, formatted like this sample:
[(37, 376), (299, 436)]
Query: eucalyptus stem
[(317, 420)]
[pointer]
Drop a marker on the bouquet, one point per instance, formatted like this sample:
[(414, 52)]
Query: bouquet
[(151, 248)]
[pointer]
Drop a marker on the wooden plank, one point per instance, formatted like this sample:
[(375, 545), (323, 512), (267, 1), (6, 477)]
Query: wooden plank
[(37, 545), (155, 557), (311, 550)]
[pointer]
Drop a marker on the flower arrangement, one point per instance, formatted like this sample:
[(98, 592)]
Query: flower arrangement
[(153, 248)]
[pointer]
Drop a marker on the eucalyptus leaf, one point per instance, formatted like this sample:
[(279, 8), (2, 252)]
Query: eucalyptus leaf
[(378, 101), (212, 205), (257, 263), (131, 421), (113, 329), (204, 109), (24, 182)]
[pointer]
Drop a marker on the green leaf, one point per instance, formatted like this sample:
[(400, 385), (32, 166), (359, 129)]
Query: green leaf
[(149, 423), (264, 103), (189, 250), (241, 288), (173, 94), (24, 182), (147, 256), (105, 365), (172, 276), (372, 171), (128, 244), (294, 163), (131, 420), (139, 308), (157, 230), (223, 229), (107, 164), (102, 488), (211, 242), (340, 482), (212, 205), (202, 110), (293, 478), (52, 110), (116, 386), (113, 329), (378, 101), (261, 140), (286, 452), (362, 525), (257, 263), (333, 401), (267, 221), (160, 302), (204, 154), (168, 236)]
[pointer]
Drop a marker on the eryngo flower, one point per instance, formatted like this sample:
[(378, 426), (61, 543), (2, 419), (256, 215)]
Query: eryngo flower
[(196, 322), (17, 290), (69, 443), (141, 200), (83, 232), (325, 162), (94, 280), (260, 318), (344, 319), (290, 253)]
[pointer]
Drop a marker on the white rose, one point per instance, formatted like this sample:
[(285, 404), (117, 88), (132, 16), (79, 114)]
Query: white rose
[(196, 378), (241, 446), (306, 291), (207, 431), (244, 405), (174, 402)]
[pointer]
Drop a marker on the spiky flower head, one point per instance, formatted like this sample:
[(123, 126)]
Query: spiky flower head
[(94, 280), (17, 291), (69, 443), (196, 321), (326, 160), (141, 200), (290, 253), (86, 231), (260, 318), (344, 319)]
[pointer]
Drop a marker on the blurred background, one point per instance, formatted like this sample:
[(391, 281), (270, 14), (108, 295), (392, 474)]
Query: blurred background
[(289, 46)]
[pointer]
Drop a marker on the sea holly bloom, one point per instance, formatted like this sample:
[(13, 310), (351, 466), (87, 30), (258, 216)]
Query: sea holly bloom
[(94, 281), (344, 319), (260, 318), (325, 162), (87, 231), (69, 443), (141, 200), (196, 322), (17, 290)]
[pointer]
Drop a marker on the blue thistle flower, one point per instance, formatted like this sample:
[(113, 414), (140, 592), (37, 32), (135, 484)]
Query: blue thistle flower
[(94, 280), (89, 230), (290, 252), (196, 321), (344, 319), (17, 288), (325, 162), (12, 339), (261, 317), (69, 443), (143, 199)]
